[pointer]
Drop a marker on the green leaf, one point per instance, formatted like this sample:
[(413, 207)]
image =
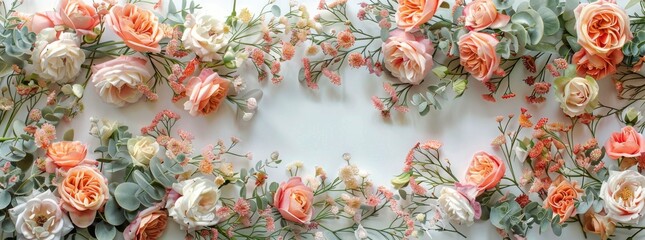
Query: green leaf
[(275, 9), (125, 195), (113, 213), (104, 231), (5, 199), (144, 182), (550, 19), (503, 4), (632, 3), (444, 5), (69, 135), (542, 47)]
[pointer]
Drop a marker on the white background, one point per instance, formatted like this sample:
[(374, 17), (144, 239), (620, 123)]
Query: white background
[(318, 126)]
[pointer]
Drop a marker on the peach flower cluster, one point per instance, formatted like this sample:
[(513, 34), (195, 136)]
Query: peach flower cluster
[(603, 29)]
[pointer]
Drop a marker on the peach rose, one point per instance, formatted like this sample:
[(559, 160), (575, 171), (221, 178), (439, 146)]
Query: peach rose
[(139, 28), (43, 20), (205, 93), (149, 224), (408, 57), (117, 80), (65, 155), (602, 26), (413, 13), (597, 66), (83, 191), (626, 143), (561, 198), (294, 201), (477, 55), (79, 16), (598, 224), (485, 171), (481, 14)]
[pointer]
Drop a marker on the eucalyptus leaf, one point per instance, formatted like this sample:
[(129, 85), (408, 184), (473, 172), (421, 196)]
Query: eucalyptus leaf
[(550, 19), (104, 231), (275, 10), (113, 213), (125, 195), (69, 135)]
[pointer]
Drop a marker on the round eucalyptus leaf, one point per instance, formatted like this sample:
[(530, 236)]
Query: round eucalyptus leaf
[(5, 199), (113, 213), (104, 231), (551, 22), (125, 195)]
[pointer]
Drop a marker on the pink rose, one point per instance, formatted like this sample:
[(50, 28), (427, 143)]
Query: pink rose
[(65, 155), (78, 15), (294, 201), (602, 26), (485, 171), (477, 55), (481, 14), (626, 143), (408, 56), (149, 224), (43, 20), (117, 80), (413, 13), (205, 93), (139, 28), (597, 66)]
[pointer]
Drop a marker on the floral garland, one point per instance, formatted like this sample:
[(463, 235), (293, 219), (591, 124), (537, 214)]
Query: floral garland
[(51, 189)]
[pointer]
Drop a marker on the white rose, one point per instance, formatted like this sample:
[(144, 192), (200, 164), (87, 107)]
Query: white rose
[(576, 95), (57, 60), (40, 218), (142, 149), (456, 207), (205, 35), (116, 81), (624, 196), (197, 205)]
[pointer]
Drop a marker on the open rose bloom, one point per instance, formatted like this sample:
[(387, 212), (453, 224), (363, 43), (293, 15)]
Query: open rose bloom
[(485, 171), (66, 155), (206, 93), (40, 217), (408, 56), (149, 224), (478, 56), (294, 200), (83, 191), (561, 198), (139, 28), (627, 143), (79, 16), (413, 13), (624, 196), (482, 14)]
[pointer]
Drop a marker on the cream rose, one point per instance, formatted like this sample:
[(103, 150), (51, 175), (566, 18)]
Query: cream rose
[(57, 60), (117, 80), (205, 35), (40, 217), (624, 196), (602, 26), (142, 149), (458, 207), (408, 57), (576, 95), (197, 205)]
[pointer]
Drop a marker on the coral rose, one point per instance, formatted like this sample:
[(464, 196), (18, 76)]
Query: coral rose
[(408, 57), (477, 55), (43, 20), (77, 15), (205, 93), (294, 201), (598, 224), (413, 13), (117, 80), (597, 66), (83, 191), (561, 198), (626, 143), (65, 155), (576, 95), (624, 196), (602, 26), (149, 224), (485, 171), (481, 14), (139, 28)]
